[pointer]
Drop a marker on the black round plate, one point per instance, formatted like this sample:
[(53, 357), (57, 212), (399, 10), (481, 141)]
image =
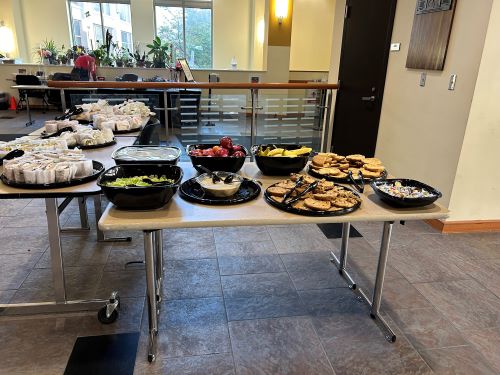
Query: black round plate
[(191, 191), (98, 169), (294, 210), (344, 180), (113, 142)]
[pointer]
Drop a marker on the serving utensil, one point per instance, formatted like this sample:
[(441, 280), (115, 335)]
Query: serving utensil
[(297, 184), (73, 111), (216, 178), (359, 187), (307, 190), (12, 155), (57, 133)]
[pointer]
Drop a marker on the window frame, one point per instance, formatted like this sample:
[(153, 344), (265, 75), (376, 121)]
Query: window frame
[(100, 2), (200, 4)]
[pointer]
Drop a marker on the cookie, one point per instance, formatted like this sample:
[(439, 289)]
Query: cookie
[(319, 160), (326, 196), (343, 203), (276, 191), (285, 184), (343, 166), (300, 205), (371, 161), (341, 175), (328, 171), (374, 167), (317, 205), (355, 157), (277, 199), (370, 174)]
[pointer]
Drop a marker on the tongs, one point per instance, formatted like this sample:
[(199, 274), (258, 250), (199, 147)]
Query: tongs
[(299, 182), (307, 190), (57, 133), (73, 111), (359, 187), (12, 155)]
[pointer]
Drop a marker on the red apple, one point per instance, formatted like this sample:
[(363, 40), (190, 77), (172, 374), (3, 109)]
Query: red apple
[(208, 152), (222, 152), (226, 142), (196, 152), (239, 154), (237, 148)]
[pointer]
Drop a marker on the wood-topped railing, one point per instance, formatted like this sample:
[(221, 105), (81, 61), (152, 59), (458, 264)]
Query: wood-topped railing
[(189, 85)]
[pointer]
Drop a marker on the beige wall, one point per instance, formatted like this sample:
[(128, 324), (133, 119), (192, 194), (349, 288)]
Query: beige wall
[(476, 195), (142, 32), (47, 19), (422, 128), (312, 34)]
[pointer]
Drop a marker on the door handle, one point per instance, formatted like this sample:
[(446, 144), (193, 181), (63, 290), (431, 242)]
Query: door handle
[(368, 98)]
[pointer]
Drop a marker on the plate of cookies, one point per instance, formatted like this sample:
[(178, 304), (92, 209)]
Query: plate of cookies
[(334, 167), (304, 195)]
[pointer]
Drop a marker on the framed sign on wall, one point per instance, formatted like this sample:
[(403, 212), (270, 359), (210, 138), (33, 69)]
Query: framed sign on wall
[(430, 34)]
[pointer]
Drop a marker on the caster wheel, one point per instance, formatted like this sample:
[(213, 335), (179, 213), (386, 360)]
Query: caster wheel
[(101, 316), (151, 357)]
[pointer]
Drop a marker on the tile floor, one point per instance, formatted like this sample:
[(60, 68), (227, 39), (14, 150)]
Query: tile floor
[(260, 300)]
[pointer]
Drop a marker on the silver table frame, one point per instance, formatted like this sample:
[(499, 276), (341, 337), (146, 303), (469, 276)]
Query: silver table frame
[(153, 251), (61, 303)]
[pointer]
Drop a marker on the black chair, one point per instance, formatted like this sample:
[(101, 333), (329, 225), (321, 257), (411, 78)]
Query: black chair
[(25, 94), (54, 96), (150, 135), (130, 77)]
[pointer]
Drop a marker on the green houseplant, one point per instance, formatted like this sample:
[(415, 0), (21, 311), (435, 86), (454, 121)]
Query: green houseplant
[(159, 51), (122, 57)]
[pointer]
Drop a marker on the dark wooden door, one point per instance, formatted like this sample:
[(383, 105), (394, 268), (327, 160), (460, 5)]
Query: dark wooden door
[(363, 64)]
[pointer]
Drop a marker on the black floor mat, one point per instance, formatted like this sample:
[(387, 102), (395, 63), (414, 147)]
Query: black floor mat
[(10, 137), (335, 231), (108, 354)]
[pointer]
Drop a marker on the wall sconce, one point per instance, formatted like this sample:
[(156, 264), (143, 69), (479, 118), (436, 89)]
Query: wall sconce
[(281, 10), (6, 39)]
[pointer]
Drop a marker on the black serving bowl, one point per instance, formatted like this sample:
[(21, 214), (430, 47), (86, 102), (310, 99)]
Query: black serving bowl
[(171, 155), (140, 197), (215, 163), (280, 165), (405, 202)]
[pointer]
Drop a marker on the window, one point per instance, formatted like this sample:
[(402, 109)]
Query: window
[(127, 40), (187, 26), (91, 19)]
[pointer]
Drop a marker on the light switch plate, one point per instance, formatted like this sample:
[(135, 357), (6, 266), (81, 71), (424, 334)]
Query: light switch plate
[(453, 82), (423, 78), (395, 47)]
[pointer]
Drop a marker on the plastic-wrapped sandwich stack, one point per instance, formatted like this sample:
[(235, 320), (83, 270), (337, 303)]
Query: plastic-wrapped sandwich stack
[(52, 126), (28, 144), (48, 167)]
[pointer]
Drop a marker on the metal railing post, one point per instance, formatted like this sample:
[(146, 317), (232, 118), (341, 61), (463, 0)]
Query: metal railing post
[(253, 122)]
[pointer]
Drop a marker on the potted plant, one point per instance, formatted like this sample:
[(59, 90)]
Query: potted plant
[(140, 59), (122, 57), (159, 51), (47, 52)]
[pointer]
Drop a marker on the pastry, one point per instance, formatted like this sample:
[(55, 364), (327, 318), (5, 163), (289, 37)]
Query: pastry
[(277, 191), (317, 205)]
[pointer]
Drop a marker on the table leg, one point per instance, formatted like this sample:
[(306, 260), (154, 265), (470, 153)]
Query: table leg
[(98, 213), (159, 265), (61, 304), (151, 293), (63, 100), (379, 282), (84, 217), (28, 111), (56, 258), (341, 262)]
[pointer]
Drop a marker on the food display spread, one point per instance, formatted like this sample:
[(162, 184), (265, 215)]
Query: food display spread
[(48, 167), (82, 135), (304, 193), (330, 165)]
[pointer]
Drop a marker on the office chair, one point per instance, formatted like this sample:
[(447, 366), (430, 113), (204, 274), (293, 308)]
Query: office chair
[(54, 96), (24, 95), (129, 77), (150, 134)]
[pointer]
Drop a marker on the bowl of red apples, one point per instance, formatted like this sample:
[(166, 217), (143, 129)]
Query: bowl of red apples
[(225, 156)]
